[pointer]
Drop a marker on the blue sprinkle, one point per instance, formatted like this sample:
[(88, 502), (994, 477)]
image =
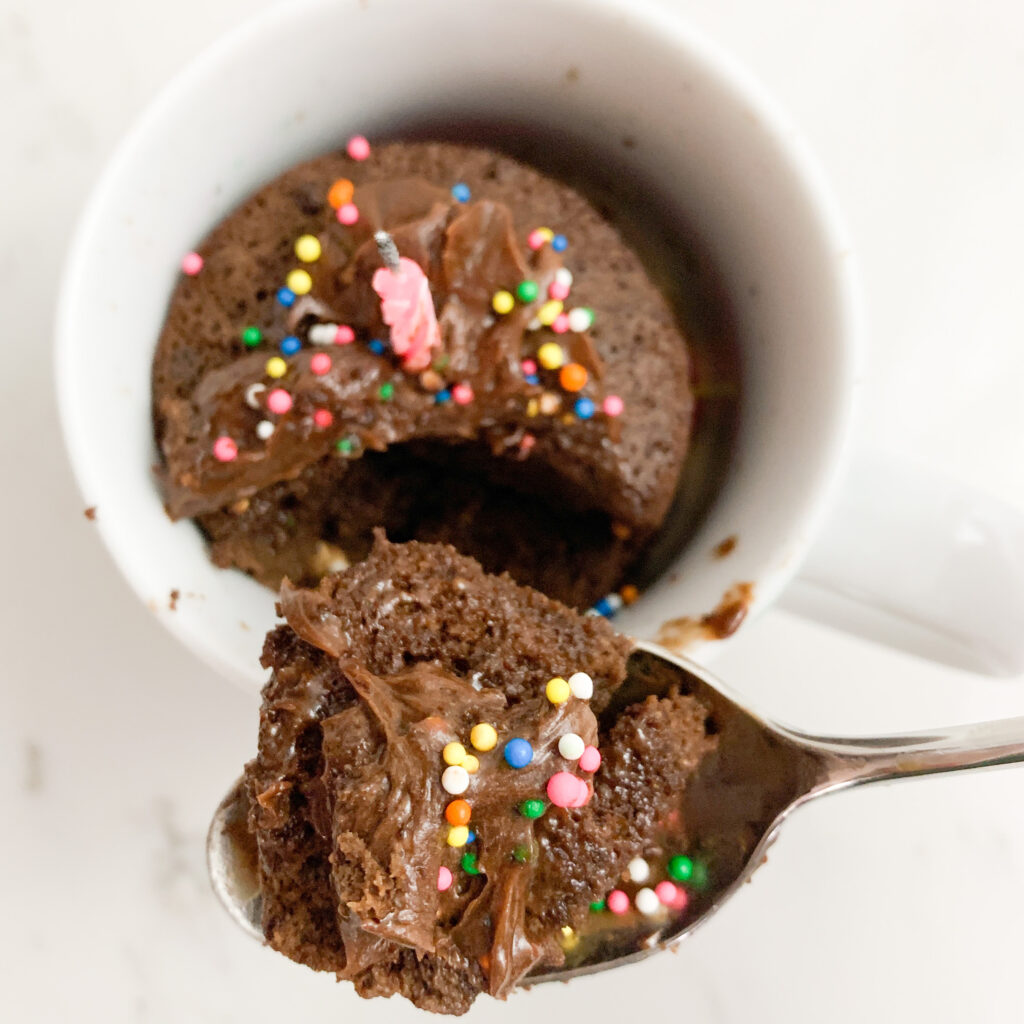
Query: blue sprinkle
[(460, 192), (471, 838), (604, 608), (518, 753), (532, 378), (559, 243), (290, 345), (584, 408), (286, 296), (377, 347), (442, 396)]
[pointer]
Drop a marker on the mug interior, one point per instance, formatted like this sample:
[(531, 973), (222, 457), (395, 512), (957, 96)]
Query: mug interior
[(629, 83)]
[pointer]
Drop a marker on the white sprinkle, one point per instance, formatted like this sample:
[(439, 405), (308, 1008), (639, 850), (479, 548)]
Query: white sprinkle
[(455, 779), (571, 746), (323, 334), (647, 902), (581, 685), (563, 275), (488, 320), (614, 601), (639, 871), (580, 319), (252, 393), (534, 325), (264, 429)]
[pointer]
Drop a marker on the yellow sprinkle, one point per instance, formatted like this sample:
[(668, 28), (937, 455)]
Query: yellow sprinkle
[(471, 763), (458, 835), (453, 753), (483, 736), (546, 233), (550, 403), (299, 281), (532, 407), (307, 248), (568, 419), (550, 355), (503, 302), (569, 939), (557, 690), (547, 313), (276, 367)]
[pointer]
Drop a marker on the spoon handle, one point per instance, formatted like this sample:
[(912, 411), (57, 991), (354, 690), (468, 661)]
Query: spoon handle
[(850, 762)]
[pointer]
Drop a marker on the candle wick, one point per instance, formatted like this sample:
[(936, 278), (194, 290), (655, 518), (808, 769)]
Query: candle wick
[(388, 250)]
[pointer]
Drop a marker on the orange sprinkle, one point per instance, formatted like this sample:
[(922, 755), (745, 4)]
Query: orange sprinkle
[(458, 812), (485, 962), (340, 193), (572, 377), (629, 593)]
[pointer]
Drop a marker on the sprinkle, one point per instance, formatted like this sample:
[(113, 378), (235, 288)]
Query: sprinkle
[(444, 879), (560, 325), (299, 281), (290, 345), (569, 940), (526, 443), (618, 901), (534, 324), (527, 291), (483, 736), (571, 746), (431, 380), (538, 237), (521, 854), (252, 336), (458, 812), (224, 449), (358, 148), (667, 893), (469, 864), (470, 836), (582, 685), (558, 290), (699, 878), (460, 192), (340, 193), (453, 753), (531, 378), (647, 902), (348, 214), (279, 401), (613, 406), (323, 334), (518, 753), (320, 363), (462, 394), (563, 275), (191, 264), (503, 302), (550, 403), (345, 446), (680, 868), (603, 608), (532, 406), (377, 347), (622, 531), (455, 779), (638, 870), (307, 248), (386, 391), (584, 408), (344, 335), (531, 809), (590, 759), (597, 906), (323, 418), (458, 835), (286, 297), (275, 367), (614, 602), (557, 690), (559, 243), (528, 366), (471, 763), (442, 396), (572, 377), (547, 313), (252, 395), (565, 790), (581, 319), (629, 593), (550, 355)]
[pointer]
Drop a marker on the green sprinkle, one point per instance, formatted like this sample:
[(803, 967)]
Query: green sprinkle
[(527, 291), (531, 808), (597, 906), (699, 878), (440, 364), (345, 446), (680, 868), (469, 864), (252, 336), (386, 392), (521, 854)]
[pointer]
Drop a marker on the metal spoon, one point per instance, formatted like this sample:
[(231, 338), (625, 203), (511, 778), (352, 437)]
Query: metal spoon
[(758, 775)]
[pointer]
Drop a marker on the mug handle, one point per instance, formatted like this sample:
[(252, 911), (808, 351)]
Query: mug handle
[(920, 562)]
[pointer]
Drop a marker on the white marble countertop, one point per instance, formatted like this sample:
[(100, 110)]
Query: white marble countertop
[(890, 903)]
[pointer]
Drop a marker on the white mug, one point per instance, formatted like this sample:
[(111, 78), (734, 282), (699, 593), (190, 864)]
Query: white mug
[(914, 561)]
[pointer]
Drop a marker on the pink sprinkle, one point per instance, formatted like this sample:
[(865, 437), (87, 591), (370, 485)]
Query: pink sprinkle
[(529, 367), (564, 790), (667, 892), (444, 879), (527, 443), (348, 214), (617, 901), (320, 363), (582, 794), (590, 759), (681, 899), (344, 335), (224, 449), (192, 264), (323, 418), (613, 405), (358, 148), (536, 239), (462, 394), (561, 324), (558, 290), (279, 401)]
